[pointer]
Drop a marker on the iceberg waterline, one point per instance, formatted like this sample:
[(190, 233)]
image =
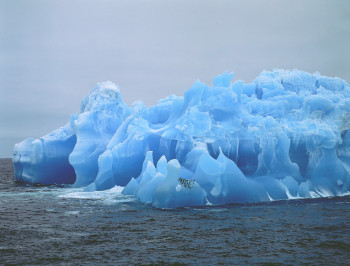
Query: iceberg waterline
[(285, 135)]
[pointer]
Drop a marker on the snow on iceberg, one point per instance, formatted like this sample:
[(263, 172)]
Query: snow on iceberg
[(286, 135)]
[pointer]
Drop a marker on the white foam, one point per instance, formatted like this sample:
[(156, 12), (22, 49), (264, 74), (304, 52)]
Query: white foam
[(314, 195), (72, 212), (290, 196), (208, 203), (110, 196), (271, 199), (323, 192)]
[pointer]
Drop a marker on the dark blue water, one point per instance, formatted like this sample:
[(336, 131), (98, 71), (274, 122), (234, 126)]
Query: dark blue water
[(57, 225)]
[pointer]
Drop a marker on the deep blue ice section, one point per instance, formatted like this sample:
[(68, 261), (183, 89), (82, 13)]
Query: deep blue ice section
[(286, 135)]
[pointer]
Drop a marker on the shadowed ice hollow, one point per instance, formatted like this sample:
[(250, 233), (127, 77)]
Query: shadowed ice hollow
[(286, 135)]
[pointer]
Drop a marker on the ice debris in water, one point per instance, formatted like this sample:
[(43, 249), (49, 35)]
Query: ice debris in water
[(286, 135)]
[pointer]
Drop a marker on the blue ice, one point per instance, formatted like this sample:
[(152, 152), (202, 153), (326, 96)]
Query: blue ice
[(285, 135)]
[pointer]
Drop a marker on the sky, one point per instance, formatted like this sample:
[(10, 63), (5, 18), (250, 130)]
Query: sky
[(52, 53)]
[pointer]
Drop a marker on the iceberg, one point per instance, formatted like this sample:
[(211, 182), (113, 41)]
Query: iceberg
[(285, 135)]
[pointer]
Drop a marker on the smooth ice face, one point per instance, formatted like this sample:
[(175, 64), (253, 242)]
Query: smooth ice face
[(284, 136), (45, 160)]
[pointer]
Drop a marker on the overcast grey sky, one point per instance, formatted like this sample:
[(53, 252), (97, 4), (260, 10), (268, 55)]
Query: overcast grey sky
[(52, 53)]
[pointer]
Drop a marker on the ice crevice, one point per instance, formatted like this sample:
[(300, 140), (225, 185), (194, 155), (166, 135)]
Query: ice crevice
[(286, 135)]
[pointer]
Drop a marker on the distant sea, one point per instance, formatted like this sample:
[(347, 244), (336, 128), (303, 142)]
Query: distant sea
[(61, 225)]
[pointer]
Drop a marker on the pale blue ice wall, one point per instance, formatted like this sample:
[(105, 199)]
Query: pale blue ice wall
[(285, 135), (45, 160)]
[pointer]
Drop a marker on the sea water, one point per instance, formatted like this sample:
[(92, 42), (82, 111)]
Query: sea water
[(63, 225)]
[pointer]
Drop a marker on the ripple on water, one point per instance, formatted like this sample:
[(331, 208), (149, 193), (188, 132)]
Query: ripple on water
[(62, 225)]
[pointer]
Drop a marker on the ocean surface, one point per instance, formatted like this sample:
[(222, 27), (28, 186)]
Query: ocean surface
[(61, 225)]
